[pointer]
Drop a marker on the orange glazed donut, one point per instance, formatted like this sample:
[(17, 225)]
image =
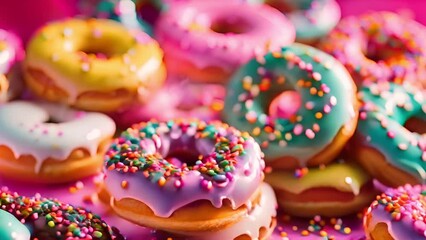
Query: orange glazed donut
[(93, 64)]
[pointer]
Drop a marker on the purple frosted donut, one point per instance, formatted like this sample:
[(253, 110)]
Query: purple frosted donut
[(208, 40), (398, 214)]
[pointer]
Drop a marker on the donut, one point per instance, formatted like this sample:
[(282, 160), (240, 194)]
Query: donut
[(50, 219), (398, 213), (176, 100), (54, 145), (339, 189), (315, 126), (379, 46), (95, 64), (383, 143), (159, 173), (12, 228), (206, 41), (11, 54), (313, 19), (123, 11)]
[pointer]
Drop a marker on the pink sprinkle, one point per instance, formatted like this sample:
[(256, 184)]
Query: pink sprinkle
[(363, 115), (60, 133), (316, 127), (178, 184), (327, 109), (316, 76), (391, 134), (247, 172), (310, 134), (45, 131), (298, 129), (424, 156), (309, 105), (325, 88), (206, 184)]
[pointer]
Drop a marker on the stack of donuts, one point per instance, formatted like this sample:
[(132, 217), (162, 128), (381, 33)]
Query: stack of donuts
[(212, 120)]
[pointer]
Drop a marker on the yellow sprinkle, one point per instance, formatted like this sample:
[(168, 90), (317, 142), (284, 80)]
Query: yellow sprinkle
[(283, 234), (256, 131), (323, 233), (305, 233), (318, 115), (124, 184), (72, 189), (161, 181), (313, 91), (51, 224), (347, 230)]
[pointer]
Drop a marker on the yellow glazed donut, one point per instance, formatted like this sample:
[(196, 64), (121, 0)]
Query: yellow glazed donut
[(93, 64)]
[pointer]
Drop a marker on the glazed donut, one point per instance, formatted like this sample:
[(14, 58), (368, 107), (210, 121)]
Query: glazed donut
[(176, 100), (336, 190), (159, 173), (320, 123), (379, 46), (383, 145), (34, 149), (207, 40), (11, 54), (312, 19), (93, 64), (397, 214), (123, 11), (12, 228), (51, 219)]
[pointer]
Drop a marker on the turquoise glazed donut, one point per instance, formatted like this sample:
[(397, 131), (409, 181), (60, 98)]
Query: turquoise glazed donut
[(312, 19), (12, 228), (318, 129), (123, 11), (388, 150)]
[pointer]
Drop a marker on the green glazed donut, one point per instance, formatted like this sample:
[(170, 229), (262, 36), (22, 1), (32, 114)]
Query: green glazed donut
[(386, 107), (321, 126)]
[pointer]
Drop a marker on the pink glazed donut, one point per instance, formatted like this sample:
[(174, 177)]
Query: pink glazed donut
[(207, 41), (11, 54)]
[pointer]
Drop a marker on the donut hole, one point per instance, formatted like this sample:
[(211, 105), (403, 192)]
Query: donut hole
[(181, 156), (416, 125), (104, 47), (382, 52), (98, 51), (285, 105), (233, 25), (52, 120)]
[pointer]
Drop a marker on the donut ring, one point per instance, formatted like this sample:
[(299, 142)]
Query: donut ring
[(397, 214), (379, 46), (62, 65), (51, 219), (312, 19), (32, 149), (11, 54), (207, 41), (389, 151), (155, 171), (318, 130)]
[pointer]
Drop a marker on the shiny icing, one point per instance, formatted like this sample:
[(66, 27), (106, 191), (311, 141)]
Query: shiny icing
[(344, 177), (123, 11), (327, 93), (260, 216), (397, 43), (11, 228), (26, 135), (185, 32), (229, 165), (386, 107), (58, 49), (11, 53), (402, 209)]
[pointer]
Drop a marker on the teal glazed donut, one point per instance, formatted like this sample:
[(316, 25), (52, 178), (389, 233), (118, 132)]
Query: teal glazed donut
[(318, 129), (388, 150), (312, 19), (123, 11), (12, 228)]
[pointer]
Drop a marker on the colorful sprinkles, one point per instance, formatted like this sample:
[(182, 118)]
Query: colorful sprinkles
[(130, 154), (404, 205), (60, 221)]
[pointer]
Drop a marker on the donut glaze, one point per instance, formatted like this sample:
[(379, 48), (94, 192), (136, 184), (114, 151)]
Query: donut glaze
[(229, 167), (402, 209), (11, 54), (11, 228), (385, 109), (212, 34), (33, 136), (326, 90), (51, 219), (95, 64), (379, 46)]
